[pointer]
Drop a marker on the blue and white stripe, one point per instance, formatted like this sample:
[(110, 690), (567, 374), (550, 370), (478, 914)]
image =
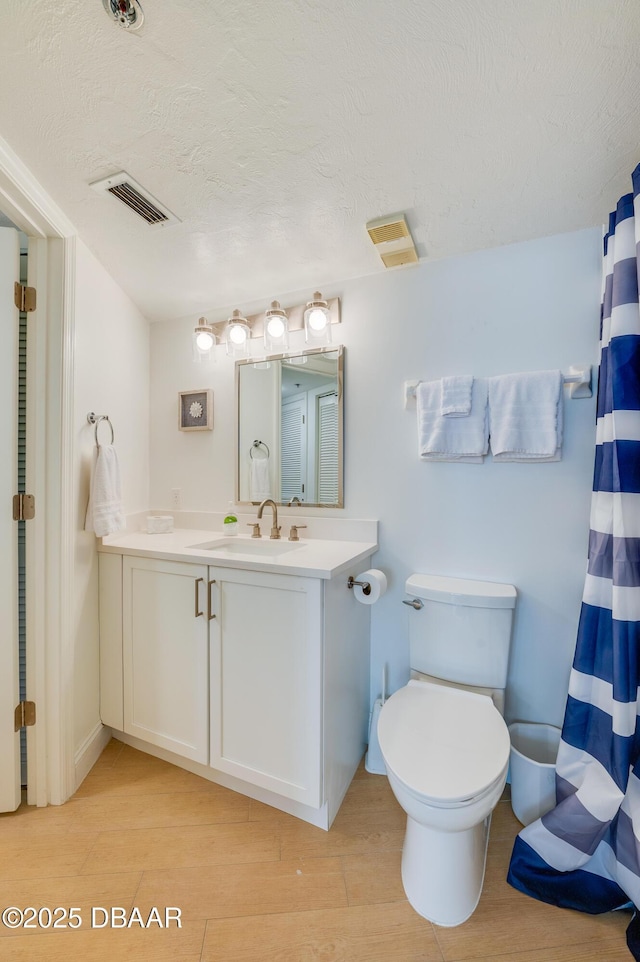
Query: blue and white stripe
[(585, 853)]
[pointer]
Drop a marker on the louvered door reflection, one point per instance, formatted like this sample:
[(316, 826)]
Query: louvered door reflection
[(293, 446), (328, 442)]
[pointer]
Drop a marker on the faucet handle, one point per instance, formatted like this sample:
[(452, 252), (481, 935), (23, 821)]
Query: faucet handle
[(293, 534), (256, 529)]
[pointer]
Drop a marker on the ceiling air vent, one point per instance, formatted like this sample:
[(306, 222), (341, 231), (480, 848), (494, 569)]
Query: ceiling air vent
[(393, 240), (136, 198)]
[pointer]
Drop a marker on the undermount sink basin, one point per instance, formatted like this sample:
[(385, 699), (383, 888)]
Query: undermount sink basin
[(247, 546)]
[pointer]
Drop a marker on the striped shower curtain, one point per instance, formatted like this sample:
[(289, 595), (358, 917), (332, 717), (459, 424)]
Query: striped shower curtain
[(585, 853)]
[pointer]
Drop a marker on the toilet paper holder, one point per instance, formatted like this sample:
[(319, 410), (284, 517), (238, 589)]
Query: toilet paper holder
[(366, 587)]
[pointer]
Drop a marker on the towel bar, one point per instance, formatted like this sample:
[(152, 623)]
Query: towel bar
[(579, 379)]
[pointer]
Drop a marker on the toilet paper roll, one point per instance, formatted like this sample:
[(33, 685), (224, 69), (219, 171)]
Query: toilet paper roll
[(378, 585)]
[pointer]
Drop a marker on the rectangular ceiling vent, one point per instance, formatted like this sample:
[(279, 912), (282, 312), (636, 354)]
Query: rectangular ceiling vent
[(393, 240), (136, 198)]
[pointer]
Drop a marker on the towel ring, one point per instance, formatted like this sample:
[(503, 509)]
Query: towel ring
[(259, 444), (96, 419)]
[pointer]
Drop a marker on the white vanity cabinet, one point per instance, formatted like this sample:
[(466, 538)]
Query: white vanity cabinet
[(266, 681), (256, 680), (165, 654)]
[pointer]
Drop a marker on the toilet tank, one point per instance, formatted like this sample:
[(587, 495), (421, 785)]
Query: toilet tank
[(463, 631)]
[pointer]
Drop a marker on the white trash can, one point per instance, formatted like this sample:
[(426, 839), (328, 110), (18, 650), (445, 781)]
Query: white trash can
[(534, 750)]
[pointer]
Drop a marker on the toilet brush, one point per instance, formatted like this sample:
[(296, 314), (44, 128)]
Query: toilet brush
[(374, 761)]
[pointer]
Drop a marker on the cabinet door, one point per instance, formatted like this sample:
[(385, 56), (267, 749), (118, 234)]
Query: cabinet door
[(266, 681), (166, 656)]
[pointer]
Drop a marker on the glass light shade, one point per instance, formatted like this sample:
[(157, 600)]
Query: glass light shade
[(204, 340), (276, 328), (317, 321), (238, 334)]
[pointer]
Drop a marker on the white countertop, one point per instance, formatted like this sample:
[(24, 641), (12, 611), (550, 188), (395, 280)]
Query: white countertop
[(311, 558)]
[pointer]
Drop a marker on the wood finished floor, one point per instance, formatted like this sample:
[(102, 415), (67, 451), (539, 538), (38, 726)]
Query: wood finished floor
[(255, 885)]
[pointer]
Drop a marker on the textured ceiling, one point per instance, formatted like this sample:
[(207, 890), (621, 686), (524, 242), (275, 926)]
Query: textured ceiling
[(275, 130)]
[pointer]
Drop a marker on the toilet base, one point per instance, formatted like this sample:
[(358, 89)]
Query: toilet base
[(443, 872)]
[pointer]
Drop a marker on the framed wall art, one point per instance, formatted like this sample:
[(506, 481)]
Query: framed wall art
[(195, 410)]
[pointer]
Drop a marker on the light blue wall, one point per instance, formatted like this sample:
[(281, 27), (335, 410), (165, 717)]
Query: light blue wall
[(524, 307)]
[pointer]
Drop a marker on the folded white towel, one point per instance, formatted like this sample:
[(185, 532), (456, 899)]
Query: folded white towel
[(452, 439), (259, 482), (105, 513), (456, 396), (525, 416)]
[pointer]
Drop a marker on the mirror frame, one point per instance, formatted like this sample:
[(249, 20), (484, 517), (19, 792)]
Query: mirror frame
[(328, 349)]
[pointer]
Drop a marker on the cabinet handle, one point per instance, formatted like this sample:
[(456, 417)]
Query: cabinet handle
[(197, 599), (210, 614)]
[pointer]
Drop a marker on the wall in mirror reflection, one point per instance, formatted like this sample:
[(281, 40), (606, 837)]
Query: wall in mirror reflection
[(290, 428)]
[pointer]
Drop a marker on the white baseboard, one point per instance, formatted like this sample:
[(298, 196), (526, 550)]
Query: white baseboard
[(89, 752)]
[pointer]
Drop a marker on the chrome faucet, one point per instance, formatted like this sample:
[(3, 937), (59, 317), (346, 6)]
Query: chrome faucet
[(275, 530)]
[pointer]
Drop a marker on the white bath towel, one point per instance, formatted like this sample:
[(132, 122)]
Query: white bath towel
[(259, 482), (105, 513), (456, 396), (525, 416), (452, 439)]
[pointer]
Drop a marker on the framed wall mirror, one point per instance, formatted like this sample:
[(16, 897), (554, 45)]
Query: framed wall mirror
[(290, 428)]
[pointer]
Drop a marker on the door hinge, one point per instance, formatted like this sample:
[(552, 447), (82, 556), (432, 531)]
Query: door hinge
[(24, 297), (24, 507), (25, 715)]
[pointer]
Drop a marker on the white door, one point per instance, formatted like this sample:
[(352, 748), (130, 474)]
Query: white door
[(9, 690)]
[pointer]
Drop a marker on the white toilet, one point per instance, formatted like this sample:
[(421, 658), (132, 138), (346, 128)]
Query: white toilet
[(444, 741)]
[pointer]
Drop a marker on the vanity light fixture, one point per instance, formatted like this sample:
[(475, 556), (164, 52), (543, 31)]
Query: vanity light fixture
[(272, 329), (317, 321), (276, 328), (238, 333), (204, 340)]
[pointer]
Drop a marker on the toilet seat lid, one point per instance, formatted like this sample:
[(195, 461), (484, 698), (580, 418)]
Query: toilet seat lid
[(444, 743)]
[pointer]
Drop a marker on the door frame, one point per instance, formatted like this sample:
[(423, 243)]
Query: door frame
[(49, 544), (10, 741)]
